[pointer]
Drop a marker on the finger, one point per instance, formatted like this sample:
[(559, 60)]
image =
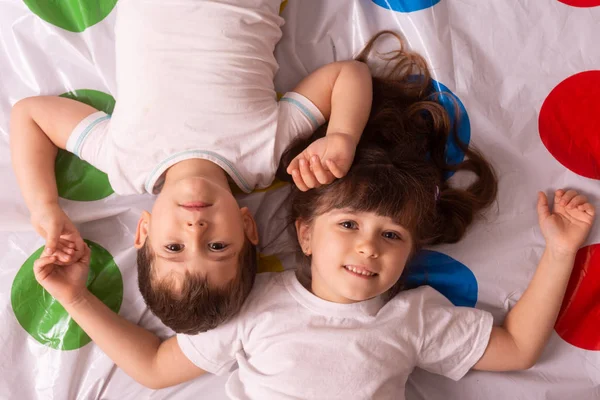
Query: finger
[(86, 254), (298, 181), (587, 208), (577, 201), (323, 176), (307, 175), (52, 236), (295, 164), (334, 169), (543, 209), (567, 197), (66, 246), (42, 267)]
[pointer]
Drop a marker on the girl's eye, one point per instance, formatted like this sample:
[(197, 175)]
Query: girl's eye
[(391, 235), (217, 246), (174, 247), (348, 224)]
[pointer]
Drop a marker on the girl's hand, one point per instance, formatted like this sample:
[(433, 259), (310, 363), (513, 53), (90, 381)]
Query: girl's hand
[(66, 283), (62, 238), (567, 226), (323, 161)]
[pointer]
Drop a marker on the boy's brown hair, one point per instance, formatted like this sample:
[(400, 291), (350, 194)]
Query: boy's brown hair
[(195, 306)]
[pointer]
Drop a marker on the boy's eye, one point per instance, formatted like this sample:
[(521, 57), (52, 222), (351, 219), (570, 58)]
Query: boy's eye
[(391, 235), (217, 246), (348, 224), (174, 247)]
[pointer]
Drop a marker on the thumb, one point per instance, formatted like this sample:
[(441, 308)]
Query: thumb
[(52, 235), (543, 209)]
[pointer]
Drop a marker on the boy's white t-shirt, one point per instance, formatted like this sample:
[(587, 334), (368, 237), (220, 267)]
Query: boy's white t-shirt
[(290, 344), (195, 80)]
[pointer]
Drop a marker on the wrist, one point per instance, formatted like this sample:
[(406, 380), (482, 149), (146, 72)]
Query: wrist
[(561, 255), (354, 138), (78, 300)]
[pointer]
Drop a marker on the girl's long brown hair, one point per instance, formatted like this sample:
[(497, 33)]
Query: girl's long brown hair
[(400, 161)]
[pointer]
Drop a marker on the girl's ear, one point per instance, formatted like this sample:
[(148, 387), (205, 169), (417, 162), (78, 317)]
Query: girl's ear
[(304, 232)]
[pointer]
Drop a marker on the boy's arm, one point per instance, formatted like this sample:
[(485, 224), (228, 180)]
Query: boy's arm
[(527, 327), (38, 126), (137, 351), (343, 92)]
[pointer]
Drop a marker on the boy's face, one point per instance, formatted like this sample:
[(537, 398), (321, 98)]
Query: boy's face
[(355, 255), (196, 226)]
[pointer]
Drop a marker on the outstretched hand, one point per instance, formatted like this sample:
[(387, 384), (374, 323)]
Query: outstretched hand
[(323, 161), (567, 225)]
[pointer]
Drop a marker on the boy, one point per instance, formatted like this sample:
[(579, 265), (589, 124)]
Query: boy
[(195, 108)]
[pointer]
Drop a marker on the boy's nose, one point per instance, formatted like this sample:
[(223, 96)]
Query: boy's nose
[(196, 224)]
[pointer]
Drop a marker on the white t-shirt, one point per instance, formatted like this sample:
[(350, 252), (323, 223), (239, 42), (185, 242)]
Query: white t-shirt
[(195, 80), (290, 344)]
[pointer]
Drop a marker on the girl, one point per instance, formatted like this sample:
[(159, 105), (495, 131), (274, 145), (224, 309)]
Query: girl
[(347, 330)]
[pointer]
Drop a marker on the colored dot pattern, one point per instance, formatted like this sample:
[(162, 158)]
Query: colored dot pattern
[(581, 3), (71, 15), (76, 179), (569, 125), (445, 274), (45, 319), (578, 322), (269, 263), (459, 120), (406, 6)]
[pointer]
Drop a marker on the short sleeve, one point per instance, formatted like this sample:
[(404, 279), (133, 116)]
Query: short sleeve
[(298, 116), (213, 351), (454, 338), (90, 140)]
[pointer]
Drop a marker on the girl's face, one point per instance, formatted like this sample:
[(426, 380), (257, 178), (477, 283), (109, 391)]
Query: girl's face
[(355, 255)]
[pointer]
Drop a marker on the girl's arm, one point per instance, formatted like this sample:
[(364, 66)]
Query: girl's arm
[(527, 327), (140, 353), (343, 92), (38, 126)]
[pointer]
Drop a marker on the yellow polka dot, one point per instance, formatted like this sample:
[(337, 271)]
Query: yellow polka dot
[(269, 264), (283, 4)]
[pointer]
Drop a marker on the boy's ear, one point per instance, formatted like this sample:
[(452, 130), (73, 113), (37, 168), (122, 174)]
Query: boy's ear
[(250, 228), (304, 233), (141, 233)]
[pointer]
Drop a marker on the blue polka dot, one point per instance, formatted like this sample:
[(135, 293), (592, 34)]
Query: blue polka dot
[(446, 275), (406, 5), (462, 125)]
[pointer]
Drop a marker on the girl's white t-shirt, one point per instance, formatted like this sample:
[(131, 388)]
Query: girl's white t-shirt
[(290, 344)]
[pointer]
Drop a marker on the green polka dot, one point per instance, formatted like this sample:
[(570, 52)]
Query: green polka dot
[(45, 319), (71, 15), (75, 178)]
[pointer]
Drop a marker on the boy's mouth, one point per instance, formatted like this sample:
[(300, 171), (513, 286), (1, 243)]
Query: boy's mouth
[(196, 205)]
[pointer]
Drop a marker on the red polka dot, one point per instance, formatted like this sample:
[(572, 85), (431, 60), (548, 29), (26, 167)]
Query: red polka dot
[(579, 318), (569, 123), (581, 3)]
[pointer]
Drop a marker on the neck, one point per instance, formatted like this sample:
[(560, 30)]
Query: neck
[(197, 168)]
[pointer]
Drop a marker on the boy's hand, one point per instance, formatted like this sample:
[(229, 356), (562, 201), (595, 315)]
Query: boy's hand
[(567, 226), (62, 238), (323, 161), (66, 283)]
